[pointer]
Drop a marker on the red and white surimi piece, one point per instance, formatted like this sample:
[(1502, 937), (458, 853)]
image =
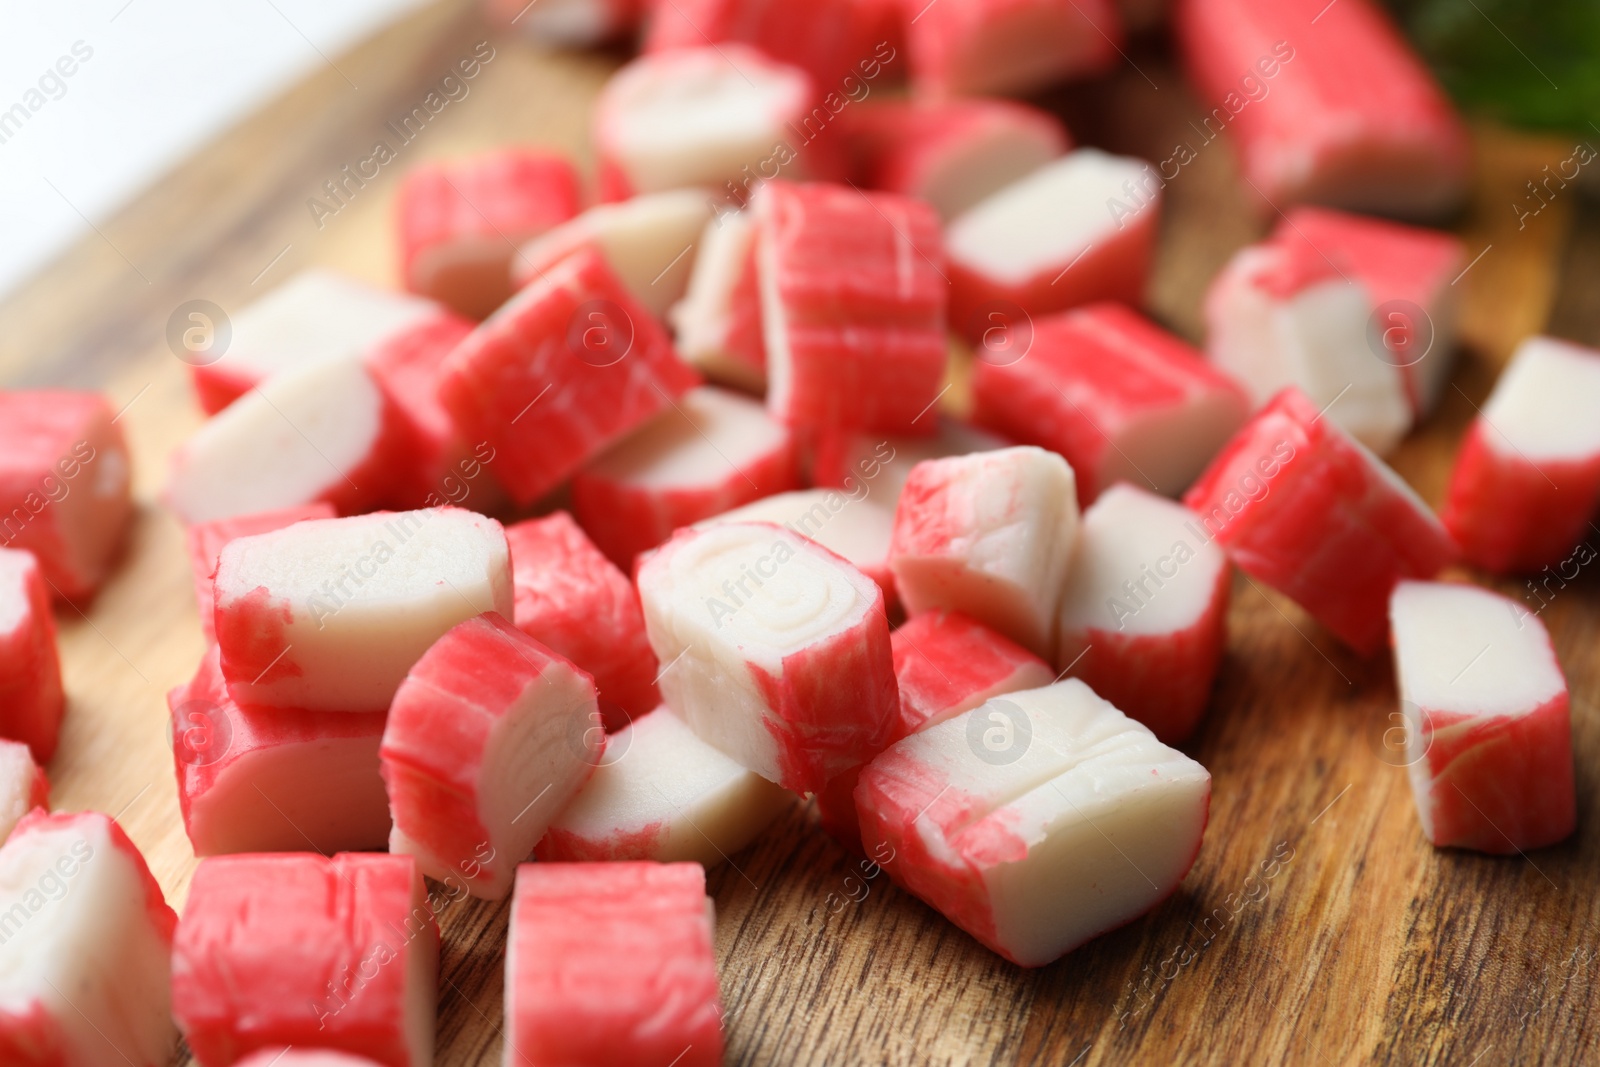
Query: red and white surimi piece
[(84, 948), (988, 535), (649, 241), (23, 785), (832, 40), (291, 949), (1327, 105), (1037, 820), (575, 602), (31, 698), (489, 736), (717, 324), (316, 316), (1488, 741), (663, 794), (569, 366), (951, 153), (1144, 613), (1303, 507), (65, 484), (697, 117), (275, 1057), (1008, 47), (852, 306), (321, 433), (1074, 231), (774, 649), (256, 779), (330, 614), (567, 23), (849, 460), (460, 222), (713, 451), (1526, 482), (944, 664), (849, 524), (612, 964), (1120, 398), (206, 540)]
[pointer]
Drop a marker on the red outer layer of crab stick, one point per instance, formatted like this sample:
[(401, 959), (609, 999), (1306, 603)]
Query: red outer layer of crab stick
[(23, 785), (32, 701), (1326, 104), (1526, 482), (292, 949), (206, 540), (566, 368), (1298, 504), (64, 484), (460, 222), (1120, 398), (1000, 47), (574, 601), (612, 964)]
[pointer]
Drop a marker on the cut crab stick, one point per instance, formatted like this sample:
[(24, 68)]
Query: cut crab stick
[(1120, 398), (1008, 47), (1036, 821), (848, 524), (713, 451), (283, 1057), (612, 963), (306, 951), (23, 785), (316, 316), (951, 153), (1074, 231), (988, 535), (718, 322), (254, 779), (840, 43), (574, 601), (1300, 505), (774, 649), (862, 348), (489, 736), (1526, 482), (649, 241), (1488, 742), (84, 948), (64, 485), (460, 222), (31, 698), (206, 540), (665, 795), (569, 366), (330, 614), (1145, 609), (881, 463), (322, 433), (693, 117), (567, 23), (1325, 104), (944, 664)]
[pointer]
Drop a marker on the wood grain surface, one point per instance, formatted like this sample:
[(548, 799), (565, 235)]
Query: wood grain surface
[(1317, 927)]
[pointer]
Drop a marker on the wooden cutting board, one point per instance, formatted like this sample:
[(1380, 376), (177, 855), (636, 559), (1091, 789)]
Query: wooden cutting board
[(1363, 944)]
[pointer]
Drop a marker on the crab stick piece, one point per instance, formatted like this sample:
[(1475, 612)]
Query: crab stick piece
[(338, 953), (1145, 610), (460, 222), (565, 369), (717, 324), (848, 524), (32, 701), (206, 540), (1300, 505), (1008, 47), (1488, 742), (84, 948), (881, 463), (283, 1057), (23, 785), (1526, 482), (713, 451), (330, 614), (1120, 398), (663, 794), (254, 779), (775, 650), (64, 485), (575, 602), (988, 535), (1037, 820)]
